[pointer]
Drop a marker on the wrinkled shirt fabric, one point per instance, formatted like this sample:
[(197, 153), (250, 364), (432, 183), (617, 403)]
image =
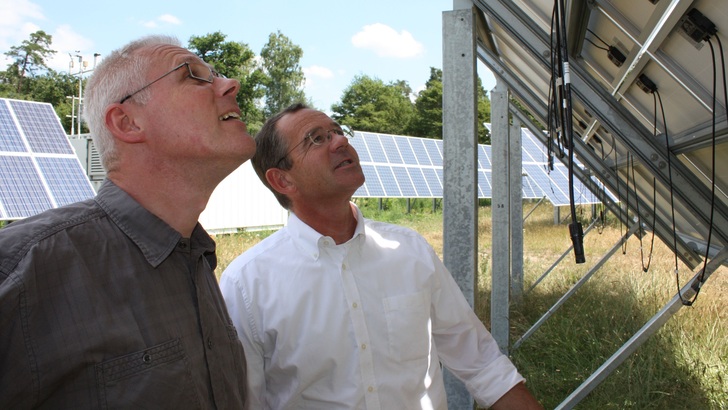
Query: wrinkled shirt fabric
[(360, 325), (103, 305)]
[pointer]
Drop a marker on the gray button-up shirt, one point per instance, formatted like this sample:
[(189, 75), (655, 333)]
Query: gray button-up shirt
[(104, 305)]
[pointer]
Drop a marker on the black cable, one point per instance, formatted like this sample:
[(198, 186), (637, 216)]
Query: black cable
[(554, 112), (602, 214), (672, 200), (575, 228), (596, 45), (598, 38), (626, 203), (645, 268), (701, 279)]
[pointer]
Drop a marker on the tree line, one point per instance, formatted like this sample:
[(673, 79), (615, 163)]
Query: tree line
[(269, 82)]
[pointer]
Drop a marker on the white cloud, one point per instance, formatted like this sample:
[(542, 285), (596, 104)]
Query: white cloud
[(14, 21), (66, 41), (387, 42), (18, 20), (317, 71), (164, 19), (168, 18)]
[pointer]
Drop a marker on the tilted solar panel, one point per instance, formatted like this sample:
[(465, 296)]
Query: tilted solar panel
[(409, 167), (38, 167)]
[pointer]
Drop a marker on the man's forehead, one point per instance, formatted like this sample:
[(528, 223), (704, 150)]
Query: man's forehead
[(173, 54), (304, 121)]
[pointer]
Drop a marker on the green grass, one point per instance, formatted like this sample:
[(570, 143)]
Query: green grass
[(684, 365)]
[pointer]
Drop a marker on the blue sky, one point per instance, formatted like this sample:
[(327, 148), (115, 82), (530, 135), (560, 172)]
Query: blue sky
[(386, 39)]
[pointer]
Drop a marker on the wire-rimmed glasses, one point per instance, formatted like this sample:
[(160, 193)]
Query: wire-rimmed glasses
[(198, 71), (320, 137)]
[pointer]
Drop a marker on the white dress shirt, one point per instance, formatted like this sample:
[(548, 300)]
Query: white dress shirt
[(361, 325)]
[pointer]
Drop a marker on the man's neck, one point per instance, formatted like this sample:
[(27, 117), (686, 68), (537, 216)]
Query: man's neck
[(177, 204), (337, 222)]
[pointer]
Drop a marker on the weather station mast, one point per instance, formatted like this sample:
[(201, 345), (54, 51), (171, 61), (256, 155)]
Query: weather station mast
[(82, 69)]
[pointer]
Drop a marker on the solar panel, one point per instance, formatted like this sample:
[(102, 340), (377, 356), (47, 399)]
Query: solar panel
[(405, 182), (555, 183), (38, 167), (409, 167), (418, 179)]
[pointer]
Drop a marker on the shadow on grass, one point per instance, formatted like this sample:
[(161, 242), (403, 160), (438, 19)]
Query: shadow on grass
[(581, 336)]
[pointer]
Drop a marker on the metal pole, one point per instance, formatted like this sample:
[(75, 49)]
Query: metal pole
[(80, 91)]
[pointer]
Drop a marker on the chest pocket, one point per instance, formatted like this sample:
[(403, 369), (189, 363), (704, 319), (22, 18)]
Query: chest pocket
[(408, 325), (157, 377)]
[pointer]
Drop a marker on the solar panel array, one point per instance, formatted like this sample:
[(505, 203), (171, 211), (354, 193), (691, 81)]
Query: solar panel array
[(408, 167), (38, 168), (554, 182)]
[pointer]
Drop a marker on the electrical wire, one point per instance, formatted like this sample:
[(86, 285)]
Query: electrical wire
[(575, 228), (672, 200), (626, 202), (596, 45), (701, 279), (598, 38), (645, 268)]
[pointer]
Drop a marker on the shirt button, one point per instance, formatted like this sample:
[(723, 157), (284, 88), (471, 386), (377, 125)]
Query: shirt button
[(354, 305), (209, 343), (370, 389), (363, 346)]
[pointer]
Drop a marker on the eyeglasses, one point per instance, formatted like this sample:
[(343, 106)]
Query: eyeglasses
[(320, 137), (198, 71)]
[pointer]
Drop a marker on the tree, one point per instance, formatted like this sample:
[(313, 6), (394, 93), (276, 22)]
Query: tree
[(428, 108), (483, 114), (235, 60), (30, 55), (368, 104), (53, 88), (280, 59)]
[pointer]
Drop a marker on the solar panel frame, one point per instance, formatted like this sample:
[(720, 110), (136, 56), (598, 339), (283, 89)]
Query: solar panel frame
[(39, 169), (388, 156)]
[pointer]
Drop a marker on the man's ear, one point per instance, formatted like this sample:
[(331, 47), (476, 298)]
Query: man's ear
[(120, 121), (279, 180)]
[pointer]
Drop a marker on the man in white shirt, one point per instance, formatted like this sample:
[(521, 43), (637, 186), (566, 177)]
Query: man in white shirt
[(340, 312)]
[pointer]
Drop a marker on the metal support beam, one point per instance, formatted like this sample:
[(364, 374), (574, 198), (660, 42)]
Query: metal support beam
[(607, 175), (500, 206), (560, 258), (695, 198), (460, 196), (576, 286), (515, 210)]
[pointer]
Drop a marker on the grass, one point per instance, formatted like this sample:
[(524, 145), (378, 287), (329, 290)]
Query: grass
[(684, 365)]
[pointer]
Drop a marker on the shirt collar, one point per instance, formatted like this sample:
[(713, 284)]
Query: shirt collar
[(154, 237), (308, 239)]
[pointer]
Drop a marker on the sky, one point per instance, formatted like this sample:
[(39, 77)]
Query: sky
[(390, 40)]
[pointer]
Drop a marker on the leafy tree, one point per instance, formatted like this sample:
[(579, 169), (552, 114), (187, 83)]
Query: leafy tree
[(483, 114), (235, 60), (280, 59), (368, 104), (428, 107), (53, 88), (30, 55)]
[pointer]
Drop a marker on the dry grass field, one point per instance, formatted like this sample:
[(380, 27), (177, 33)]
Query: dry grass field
[(683, 366)]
